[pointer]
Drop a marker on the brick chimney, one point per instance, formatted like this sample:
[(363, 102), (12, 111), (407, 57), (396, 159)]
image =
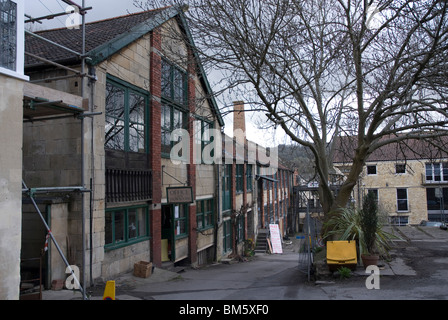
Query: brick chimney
[(239, 121)]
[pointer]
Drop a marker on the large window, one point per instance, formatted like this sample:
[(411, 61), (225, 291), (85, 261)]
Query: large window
[(174, 104), (402, 200), (204, 214), (126, 226), (126, 114)]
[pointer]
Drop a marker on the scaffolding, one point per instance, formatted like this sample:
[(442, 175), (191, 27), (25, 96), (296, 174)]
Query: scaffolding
[(41, 108)]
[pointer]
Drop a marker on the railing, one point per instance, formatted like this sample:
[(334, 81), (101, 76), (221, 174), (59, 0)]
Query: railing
[(128, 185)]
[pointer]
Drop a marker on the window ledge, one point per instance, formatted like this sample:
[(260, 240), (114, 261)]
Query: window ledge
[(13, 74)]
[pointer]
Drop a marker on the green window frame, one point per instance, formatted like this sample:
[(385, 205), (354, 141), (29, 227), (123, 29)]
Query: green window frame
[(126, 117), (174, 104), (180, 212), (227, 236), (239, 177), (204, 214), (174, 83), (202, 138), (126, 226), (249, 177), (172, 118), (226, 180)]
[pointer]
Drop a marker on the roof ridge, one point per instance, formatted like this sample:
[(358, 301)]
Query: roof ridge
[(108, 19)]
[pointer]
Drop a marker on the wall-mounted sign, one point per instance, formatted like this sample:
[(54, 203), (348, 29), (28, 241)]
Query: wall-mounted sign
[(179, 195)]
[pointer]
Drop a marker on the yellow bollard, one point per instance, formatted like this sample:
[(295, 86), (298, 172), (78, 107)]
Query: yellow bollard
[(109, 292)]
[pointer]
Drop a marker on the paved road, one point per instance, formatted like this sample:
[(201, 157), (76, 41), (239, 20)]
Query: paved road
[(418, 270)]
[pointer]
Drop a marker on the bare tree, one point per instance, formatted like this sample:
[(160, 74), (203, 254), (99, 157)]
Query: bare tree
[(319, 69)]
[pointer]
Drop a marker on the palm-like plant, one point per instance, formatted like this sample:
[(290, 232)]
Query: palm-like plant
[(347, 224)]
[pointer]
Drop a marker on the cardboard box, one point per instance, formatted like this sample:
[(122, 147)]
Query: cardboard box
[(142, 269)]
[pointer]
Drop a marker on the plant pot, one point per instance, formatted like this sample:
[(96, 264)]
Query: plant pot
[(369, 259)]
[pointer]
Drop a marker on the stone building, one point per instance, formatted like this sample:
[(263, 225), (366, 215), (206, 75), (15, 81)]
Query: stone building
[(145, 81), (256, 189), (409, 179)]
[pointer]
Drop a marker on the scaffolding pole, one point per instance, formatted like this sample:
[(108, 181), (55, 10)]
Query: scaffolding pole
[(25, 189), (82, 11)]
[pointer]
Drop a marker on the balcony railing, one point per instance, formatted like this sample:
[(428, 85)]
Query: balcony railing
[(128, 185)]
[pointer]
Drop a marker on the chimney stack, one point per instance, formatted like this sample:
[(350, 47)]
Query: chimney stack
[(239, 120)]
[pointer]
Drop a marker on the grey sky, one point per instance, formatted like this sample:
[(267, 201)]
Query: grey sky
[(101, 9)]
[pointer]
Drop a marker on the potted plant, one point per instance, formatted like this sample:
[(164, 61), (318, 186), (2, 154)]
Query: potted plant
[(357, 224), (368, 218)]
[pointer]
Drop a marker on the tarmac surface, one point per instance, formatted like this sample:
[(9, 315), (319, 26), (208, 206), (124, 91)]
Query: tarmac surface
[(416, 270)]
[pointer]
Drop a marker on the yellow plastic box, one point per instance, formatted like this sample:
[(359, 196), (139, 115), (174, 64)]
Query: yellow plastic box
[(341, 254)]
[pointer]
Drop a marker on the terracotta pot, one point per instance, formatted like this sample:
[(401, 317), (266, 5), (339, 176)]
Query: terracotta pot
[(369, 259)]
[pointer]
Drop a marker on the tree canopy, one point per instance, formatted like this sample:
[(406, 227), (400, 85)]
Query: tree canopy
[(319, 69)]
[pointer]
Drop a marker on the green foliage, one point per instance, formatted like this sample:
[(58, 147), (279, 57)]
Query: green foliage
[(347, 224), (369, 221), (344, 272)]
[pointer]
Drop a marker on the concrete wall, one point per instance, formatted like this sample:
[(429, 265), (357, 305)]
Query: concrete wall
[(11, 119)]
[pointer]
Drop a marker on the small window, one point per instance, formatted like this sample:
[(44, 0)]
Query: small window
[(400, 168), (371, 169)]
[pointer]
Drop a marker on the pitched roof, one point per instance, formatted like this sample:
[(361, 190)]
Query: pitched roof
[(99, 33), (105, 38), (412, 149)]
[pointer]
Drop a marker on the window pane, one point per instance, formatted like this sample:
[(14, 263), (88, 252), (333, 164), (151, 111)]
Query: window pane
[(166, 79), (114, 133), (428, 171), (115, 108), (402, 200), (166, 129), (132, 224), (371, 169), (142, 222), (436, 171), (119, 225), (8, 34), (445, 171), (178, 86)]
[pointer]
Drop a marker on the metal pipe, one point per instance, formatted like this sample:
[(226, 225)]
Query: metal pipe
[(57, 65)]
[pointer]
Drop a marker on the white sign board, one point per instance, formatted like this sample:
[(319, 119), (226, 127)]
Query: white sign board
[(275, 239)]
